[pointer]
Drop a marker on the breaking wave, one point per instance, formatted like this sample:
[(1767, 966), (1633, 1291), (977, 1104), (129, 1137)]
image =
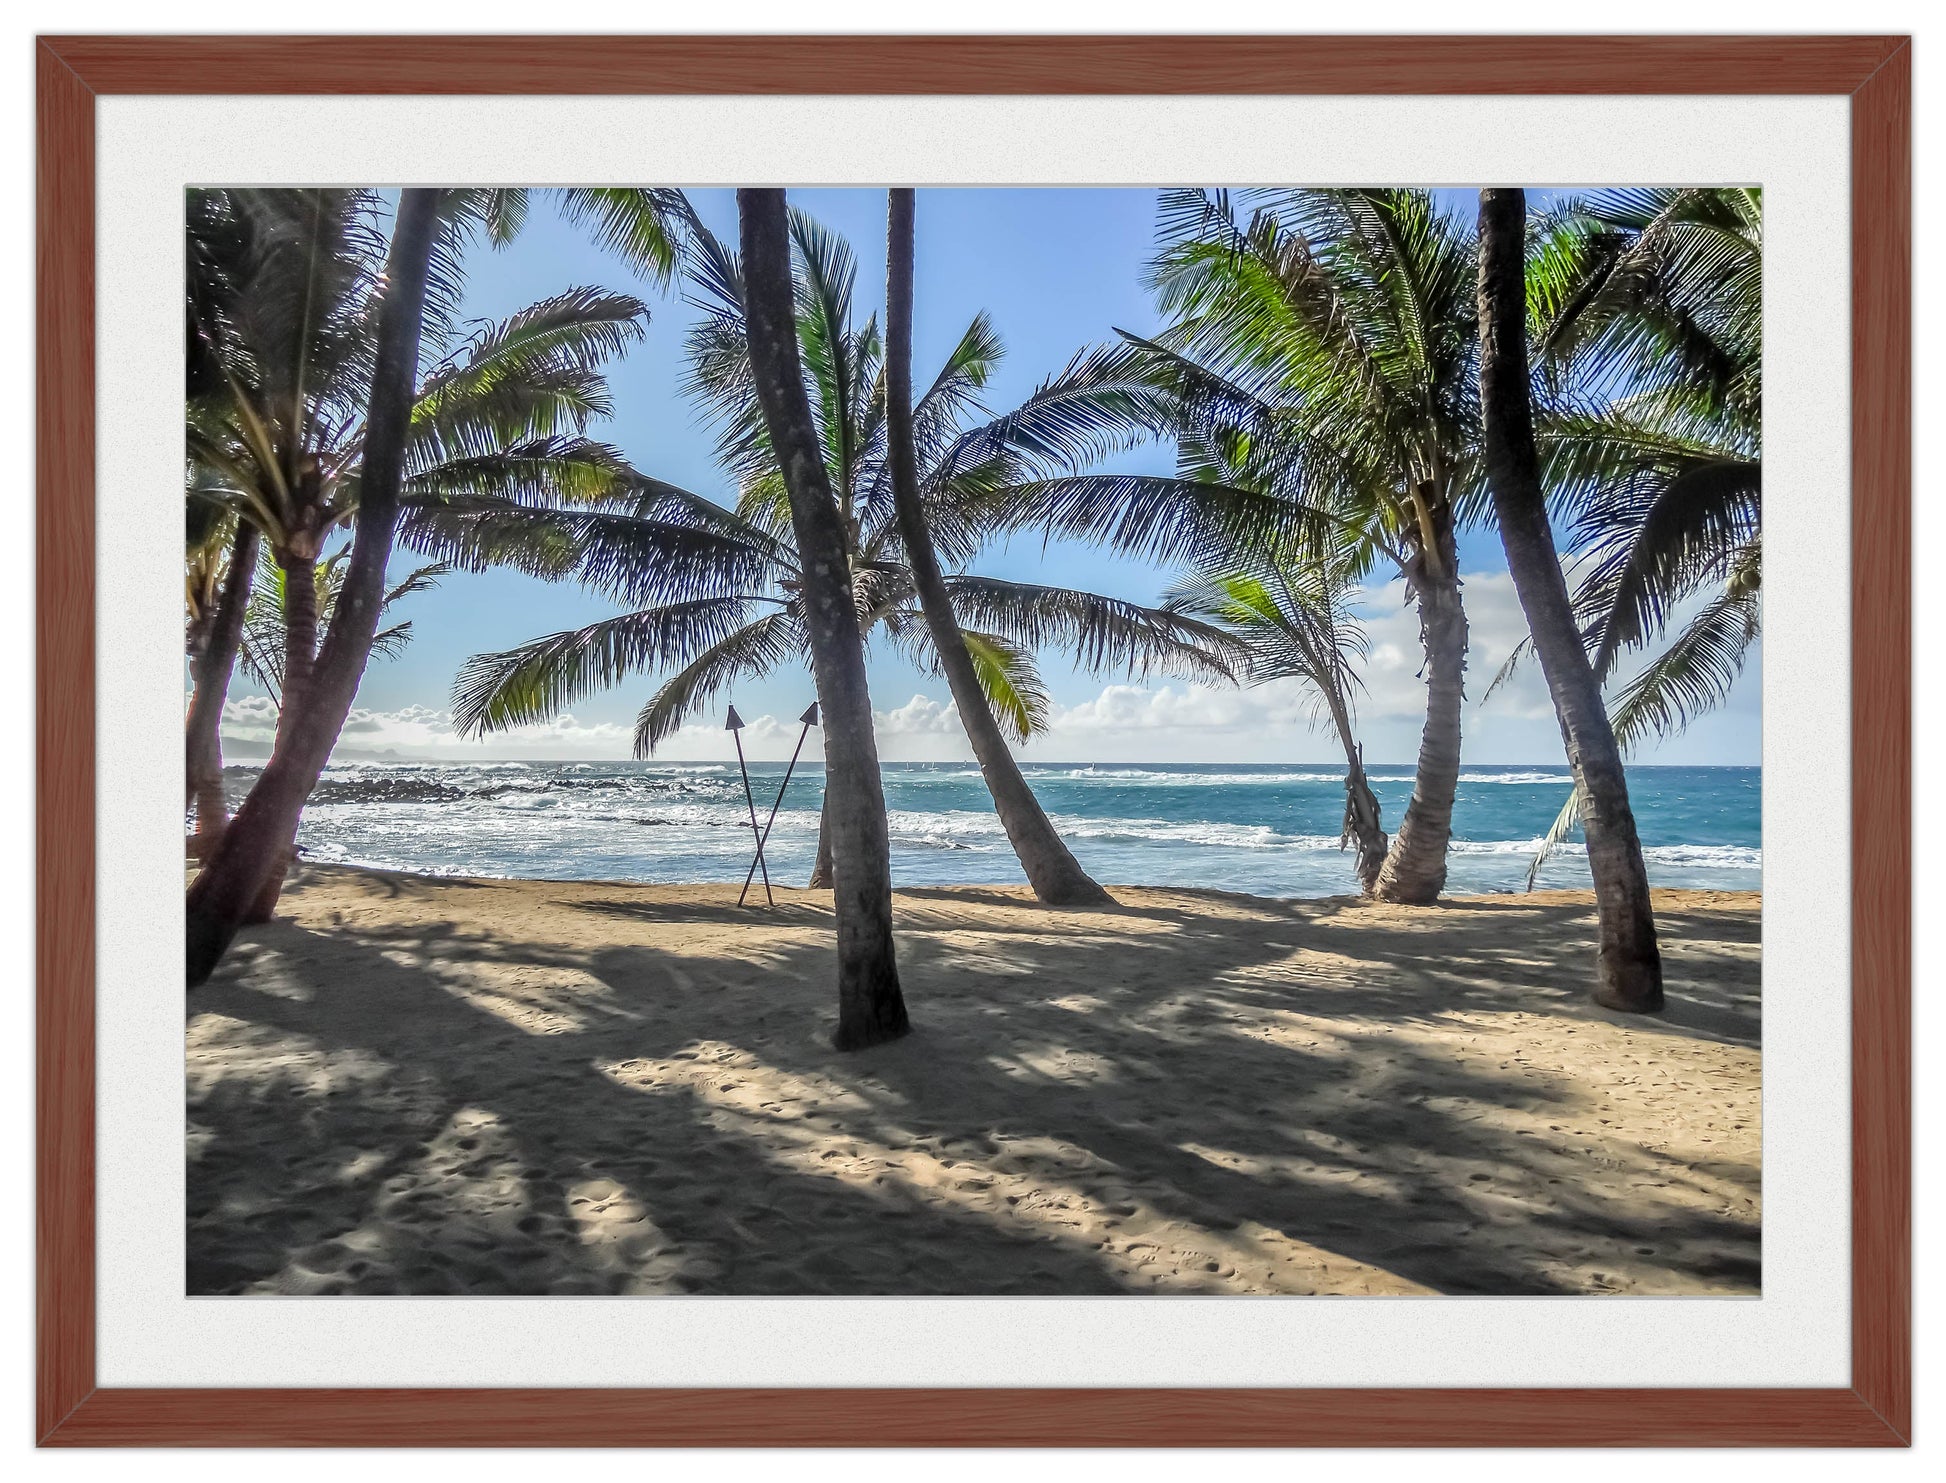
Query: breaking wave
[(1267, 829)]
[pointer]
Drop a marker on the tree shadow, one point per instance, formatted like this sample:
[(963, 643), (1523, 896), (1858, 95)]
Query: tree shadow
[(633, 1095)]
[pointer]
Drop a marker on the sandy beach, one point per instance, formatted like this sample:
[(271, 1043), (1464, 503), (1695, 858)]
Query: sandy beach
[(410, 1085)]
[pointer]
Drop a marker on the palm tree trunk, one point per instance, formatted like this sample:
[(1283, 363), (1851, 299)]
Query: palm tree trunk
[(1364, 826), (300, 660), (204, 725), (1415, 867), (821, 867), (259, 837), (871, 1007), (1052, 870), (300, 633), (1629, 963)]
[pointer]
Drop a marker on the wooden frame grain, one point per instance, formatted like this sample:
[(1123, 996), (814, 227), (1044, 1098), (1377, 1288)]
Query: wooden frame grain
[(1874, 72)]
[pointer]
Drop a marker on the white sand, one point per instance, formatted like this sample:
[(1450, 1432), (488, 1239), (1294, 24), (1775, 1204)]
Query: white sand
[(422, 1086)]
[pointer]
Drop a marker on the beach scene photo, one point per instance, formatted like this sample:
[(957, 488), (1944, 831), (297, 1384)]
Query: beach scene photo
[(973, 742)]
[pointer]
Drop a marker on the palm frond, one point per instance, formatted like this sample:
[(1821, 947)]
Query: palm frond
[(1565, 823), (390, 643), (1641, 570), (755, 649), (645, 227), (1101, 633), (540, 679), (538, 472), (1291, 618), (1100, 403), (831, 350), (1654, 287), (1510, 666), (419, 579), (635, 560), (536, 374), (1010, 683), (1693, 675), (1159, 518), (262, 650)]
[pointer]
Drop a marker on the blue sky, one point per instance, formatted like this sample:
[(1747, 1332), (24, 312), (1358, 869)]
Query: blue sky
[(1057, 270)]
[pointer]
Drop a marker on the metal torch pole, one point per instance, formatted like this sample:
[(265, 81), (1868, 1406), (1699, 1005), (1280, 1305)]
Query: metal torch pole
[(810, 719), (735, 729)]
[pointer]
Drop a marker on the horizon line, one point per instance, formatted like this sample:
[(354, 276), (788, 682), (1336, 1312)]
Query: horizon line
[(807, 762)]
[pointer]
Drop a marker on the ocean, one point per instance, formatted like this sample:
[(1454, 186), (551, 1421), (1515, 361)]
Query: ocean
[(1267, 830)]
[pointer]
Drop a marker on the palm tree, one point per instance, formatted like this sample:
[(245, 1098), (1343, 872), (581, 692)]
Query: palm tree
[(286, 288), (264, 645), (1649, 313), (1328, 339), (871, 1008), (1629, 963), (233, 880), (221, 555), (227, 626), (281, 290), (1292, 612), (1646, 311), (721, 592), (1057, 878), (279, 440), (220, 567)]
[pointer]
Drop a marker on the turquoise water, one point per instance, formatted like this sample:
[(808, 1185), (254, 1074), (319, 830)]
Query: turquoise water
[(1271, 831)]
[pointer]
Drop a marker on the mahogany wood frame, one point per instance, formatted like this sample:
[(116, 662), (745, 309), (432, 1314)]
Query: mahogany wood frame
[(1875, 72)]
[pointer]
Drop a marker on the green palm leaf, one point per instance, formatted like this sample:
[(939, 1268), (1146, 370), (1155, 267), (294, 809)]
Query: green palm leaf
[(754, 649), (1102, 633), (634, 560), (1647, 554), (644, 227), (1010, 683), (541, 678), (1159, 518), (1694, 674)]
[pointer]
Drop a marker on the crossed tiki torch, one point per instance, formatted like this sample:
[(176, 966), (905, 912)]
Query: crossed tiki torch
[(735, 727)]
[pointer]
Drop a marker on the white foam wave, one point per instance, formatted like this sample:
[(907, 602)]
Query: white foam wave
[(968, 825), (1560, 779), (932, 842), (1718, 856), (1739, 857), (1182, 779)]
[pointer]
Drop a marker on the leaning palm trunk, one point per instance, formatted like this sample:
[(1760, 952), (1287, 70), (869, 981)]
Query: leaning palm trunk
[(204, 726), (300, 660), (1363, 826), (1629, 965), (871, 1007), (1415, 868), (1052, 870), (258, 841)]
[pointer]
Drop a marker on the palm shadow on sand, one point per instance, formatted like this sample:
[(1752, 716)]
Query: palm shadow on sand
[(427, 1106)]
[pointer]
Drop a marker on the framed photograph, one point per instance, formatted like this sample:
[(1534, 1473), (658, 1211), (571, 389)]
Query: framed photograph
[(892, 741)]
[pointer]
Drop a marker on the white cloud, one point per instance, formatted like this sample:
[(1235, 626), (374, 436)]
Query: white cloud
[(1281, 721), (919, 716), (422, 733), (1122, 722), (249, 722), (757, 734)]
